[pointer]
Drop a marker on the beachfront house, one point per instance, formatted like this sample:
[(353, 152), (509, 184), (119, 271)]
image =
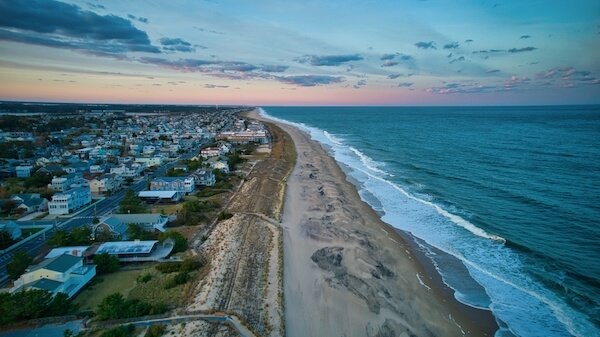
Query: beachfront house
[(63, 273), (183, 185), (204, 177), (116, 225)]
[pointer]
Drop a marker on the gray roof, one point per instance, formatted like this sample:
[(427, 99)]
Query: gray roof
[(45, 284), (30, 199), (59, 264)]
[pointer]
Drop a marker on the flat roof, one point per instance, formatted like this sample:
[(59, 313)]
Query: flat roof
[(73, 250), (126, 247), (157, 194)]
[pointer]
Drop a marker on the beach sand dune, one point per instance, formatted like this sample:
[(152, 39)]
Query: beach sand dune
[(346, 273)]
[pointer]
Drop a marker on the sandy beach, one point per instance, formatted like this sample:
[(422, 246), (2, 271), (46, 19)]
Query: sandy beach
[(347, 273)]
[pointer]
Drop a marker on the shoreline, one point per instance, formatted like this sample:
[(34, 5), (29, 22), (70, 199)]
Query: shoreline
[(427, 306)]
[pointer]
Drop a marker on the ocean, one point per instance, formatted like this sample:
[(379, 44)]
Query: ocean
[(512, 192)]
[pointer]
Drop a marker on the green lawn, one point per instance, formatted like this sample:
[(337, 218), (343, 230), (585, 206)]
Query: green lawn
[(102, 286)]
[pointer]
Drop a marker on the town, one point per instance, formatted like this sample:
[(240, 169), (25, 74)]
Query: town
[(96, 190)]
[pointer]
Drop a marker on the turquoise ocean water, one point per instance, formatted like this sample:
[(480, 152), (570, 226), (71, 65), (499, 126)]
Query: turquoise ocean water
[(513, 192)]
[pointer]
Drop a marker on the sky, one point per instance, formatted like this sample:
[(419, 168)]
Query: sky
[(282, 52)]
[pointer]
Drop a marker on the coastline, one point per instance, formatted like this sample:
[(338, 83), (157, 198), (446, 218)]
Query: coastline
[(347, 272)]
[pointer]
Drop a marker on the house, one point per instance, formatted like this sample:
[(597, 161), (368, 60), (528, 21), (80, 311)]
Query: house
[(69, 201), (160, 196), (204, 177), (183, 185), (73, 250), (12, 228), (105, 184), (63, 273), (96, 169), (129, 170), (149, 161), (210, 152), (30, 202), (64, 183), (221, 166), (23, 171), (117, 224)]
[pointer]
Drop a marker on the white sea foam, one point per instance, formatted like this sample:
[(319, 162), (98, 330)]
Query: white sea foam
[(525, 305)]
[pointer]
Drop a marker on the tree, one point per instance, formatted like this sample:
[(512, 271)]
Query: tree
[(180, 242), (80, 236), (106, 263), (6, 239), (38, 179), (9, 206), (18, 265), (24, 305), (60, 238), (131, 203)]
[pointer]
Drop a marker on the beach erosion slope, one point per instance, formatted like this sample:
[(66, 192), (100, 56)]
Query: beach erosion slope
[(347, 273)]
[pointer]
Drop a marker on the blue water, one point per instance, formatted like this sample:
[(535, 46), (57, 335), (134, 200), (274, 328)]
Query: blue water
[(513, 192)]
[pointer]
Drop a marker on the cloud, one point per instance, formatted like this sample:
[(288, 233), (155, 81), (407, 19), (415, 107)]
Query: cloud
[(425, 45), (60, 25), (389, 63), (521, 50), (140, 19), (492, 71), (96, 6), (360, 83), (525, 37), (329, 60), (215, 86), (462, 88), (458, 59), (273, 68), (386, 57), (468, 40), (309, 80), (176, 44), (394, 76), (452, 45), (405, 84)]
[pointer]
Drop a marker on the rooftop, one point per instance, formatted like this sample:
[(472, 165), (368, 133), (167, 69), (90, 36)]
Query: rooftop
[(126, 247)]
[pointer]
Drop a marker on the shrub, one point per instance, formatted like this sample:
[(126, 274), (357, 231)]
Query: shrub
[(224, 215), (145, 278), (179, 279), (106, 263), (120, 331), (168, 267), (115, 306), (156, 331)]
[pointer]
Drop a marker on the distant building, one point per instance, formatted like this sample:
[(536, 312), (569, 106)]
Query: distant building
[(73, 250), (69, 201), (23, 171), (241, 137), (11, 228), (180, 184), (64, 183), (210, 152), (63, 273), (221, 166), (149, 161)]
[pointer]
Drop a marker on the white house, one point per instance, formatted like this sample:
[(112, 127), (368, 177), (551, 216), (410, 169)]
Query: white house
[(94, 169), (63, 273), (23, 171), (149, 161), (129, 170), (221, 166), (69, 201), (180, 184), (210, 152), (64, 183)]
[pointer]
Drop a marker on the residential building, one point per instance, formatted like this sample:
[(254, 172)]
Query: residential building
[(160, 196), (180, 184), (149, 161), (69, 201), (30, 202), (23, 171), (210, 152), (105, 184), (136, 251), (117, 224), (64, 183), (12, 228), (204, 177), (63, 273), (220, 165), (129, 170)]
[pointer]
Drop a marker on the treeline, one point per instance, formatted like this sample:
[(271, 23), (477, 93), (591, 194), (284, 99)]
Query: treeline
[(116, 306), (31, 304)]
